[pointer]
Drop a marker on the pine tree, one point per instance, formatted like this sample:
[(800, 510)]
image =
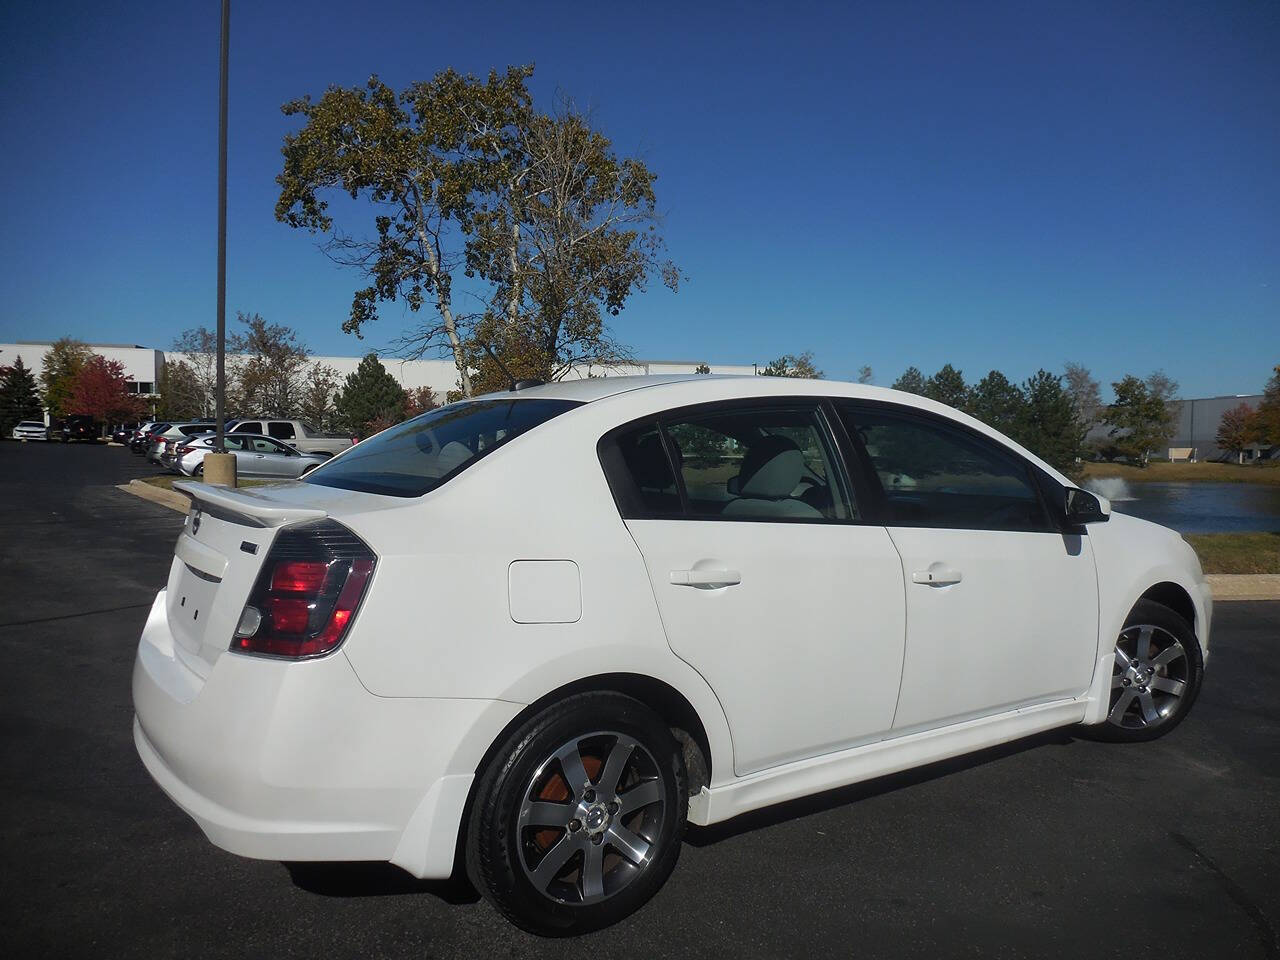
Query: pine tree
[(370, 396), (19, 398), (1050, 426), (911, 381)]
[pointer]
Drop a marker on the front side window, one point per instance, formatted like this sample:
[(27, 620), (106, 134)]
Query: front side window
[(280, 429), (419, 455), (935, 475)]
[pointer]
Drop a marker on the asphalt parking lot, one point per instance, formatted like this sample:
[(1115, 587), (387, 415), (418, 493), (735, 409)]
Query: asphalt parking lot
[(1048, 847)]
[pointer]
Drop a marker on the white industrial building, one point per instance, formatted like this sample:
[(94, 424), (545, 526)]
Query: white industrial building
[(145, 366)]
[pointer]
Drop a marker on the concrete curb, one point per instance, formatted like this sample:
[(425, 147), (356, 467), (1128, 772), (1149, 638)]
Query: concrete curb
[(166, 498), (1245, 586)]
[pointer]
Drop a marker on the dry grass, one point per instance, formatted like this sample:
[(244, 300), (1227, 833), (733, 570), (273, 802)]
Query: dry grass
[(1237, 552), (1268, 472)]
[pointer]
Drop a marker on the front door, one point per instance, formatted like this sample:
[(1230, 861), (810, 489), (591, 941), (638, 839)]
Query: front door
[(1002, 607), (767, 582)]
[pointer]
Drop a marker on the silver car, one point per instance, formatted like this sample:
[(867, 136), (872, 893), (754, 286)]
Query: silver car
[(256, 456)]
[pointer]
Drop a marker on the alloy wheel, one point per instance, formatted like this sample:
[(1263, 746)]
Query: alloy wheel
[(1150, 678), (590, 817)]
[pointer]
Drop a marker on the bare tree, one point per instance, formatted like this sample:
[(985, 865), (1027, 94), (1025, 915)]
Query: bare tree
[(1083, 390)]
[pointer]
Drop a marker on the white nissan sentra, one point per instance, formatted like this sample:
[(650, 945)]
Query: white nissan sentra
[(538, 631)]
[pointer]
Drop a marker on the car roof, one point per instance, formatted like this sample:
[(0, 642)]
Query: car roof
[(596, 388)]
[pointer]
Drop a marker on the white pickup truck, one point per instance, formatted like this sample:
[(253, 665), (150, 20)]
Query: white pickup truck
[(298, 434)]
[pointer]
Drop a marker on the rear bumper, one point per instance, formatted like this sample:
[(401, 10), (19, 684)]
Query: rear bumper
[(297, 761)]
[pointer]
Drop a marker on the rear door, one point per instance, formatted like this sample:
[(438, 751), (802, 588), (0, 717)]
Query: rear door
[(1002, 606), (767, 579)]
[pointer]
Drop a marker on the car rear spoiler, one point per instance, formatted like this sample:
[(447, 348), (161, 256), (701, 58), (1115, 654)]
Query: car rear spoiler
[(245, 506)]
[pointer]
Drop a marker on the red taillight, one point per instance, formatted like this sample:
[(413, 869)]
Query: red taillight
[(298, 576), (307, 593)]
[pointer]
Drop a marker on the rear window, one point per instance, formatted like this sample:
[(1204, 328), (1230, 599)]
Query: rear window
[(421, 454)]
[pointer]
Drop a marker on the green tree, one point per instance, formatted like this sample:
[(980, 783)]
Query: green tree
[(948, 386), (1049, 425), (371, 398), (465, 175), (1239, 429), (19, 398), (998, 403), (181, 394), (62, 365), (793, 365), (702, 368), (911, 381), (1140, 421), (1268, 415)]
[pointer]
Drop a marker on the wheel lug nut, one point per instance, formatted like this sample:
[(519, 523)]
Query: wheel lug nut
[(1142, 689), (575, 825), (589, 796), (613, 806), (1125, 681), (597, 838)]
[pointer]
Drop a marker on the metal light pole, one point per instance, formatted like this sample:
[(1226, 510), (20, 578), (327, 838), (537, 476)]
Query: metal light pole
[(220, 396), (219, 466)]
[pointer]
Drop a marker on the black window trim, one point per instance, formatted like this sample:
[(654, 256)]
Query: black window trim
[(608, 453), (1035, 477)]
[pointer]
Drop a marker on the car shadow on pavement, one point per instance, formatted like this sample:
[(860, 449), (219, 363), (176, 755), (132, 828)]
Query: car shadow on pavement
[(375, 879), (841, 796)]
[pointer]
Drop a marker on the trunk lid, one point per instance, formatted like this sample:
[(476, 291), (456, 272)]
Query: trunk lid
[(220, 552)]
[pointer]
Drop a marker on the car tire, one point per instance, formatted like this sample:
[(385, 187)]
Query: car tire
[(1156, 679), (198, 471), (560, 872)]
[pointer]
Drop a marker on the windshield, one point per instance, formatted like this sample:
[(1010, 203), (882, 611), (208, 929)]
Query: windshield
[(421, 454)]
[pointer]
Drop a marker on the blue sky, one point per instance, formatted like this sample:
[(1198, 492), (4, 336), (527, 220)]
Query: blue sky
[(1000, 186)]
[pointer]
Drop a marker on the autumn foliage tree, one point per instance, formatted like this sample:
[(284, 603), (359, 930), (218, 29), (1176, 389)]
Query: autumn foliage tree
[(548, 229), (1239, 429), (101, 391)]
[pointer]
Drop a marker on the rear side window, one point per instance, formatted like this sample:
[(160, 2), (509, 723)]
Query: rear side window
[(772, 463), (934, 475), (252, 426), (280, 429), (421, 454)]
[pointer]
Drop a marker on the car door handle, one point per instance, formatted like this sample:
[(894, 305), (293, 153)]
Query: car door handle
[(705, 578), (937, 576)]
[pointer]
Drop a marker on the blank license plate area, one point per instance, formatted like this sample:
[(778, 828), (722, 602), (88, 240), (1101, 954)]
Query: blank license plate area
[(191, 598)]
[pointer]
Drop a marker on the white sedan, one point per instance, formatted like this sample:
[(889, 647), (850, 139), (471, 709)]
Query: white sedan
[(549, 627), (30, 430)]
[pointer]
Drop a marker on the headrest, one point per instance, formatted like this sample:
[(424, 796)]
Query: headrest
[(771, 469)]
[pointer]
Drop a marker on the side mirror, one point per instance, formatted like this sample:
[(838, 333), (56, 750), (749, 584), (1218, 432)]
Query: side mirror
[(1081, 507)]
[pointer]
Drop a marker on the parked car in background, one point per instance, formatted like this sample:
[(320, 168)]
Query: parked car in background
[(543, 629), (122, 432), (140, 442), (255, 457), (30, 430), (164, 442), (298, 434), (78, 426)]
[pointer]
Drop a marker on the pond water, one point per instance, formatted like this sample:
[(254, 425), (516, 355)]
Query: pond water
[(1197, 507)]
